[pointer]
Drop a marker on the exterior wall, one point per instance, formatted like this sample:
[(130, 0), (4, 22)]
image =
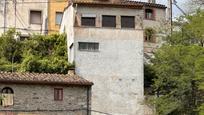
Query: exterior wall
[(117, 68), (22, 16), (160, 23), (39, 100), (67, 26), (53, 7)]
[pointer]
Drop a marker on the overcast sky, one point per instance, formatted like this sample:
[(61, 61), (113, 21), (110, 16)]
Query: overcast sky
[(176, 11)]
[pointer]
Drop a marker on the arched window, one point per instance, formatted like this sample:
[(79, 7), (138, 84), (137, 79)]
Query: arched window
[(149, 14), (7, 90), (7, 94)]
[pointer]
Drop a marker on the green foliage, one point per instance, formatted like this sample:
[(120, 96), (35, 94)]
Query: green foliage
[(149, 32), (179, 69), (39, 53), (149, 74)]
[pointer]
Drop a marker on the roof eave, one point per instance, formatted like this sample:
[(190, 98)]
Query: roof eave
[(47, 83)]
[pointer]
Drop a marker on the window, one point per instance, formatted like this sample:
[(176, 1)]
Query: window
[(127, 22), (7, 96), (88, 46), (88, 20), (35, 17), (58, 18), (58, 94), (108, 21), (149, 35), (149, 14)]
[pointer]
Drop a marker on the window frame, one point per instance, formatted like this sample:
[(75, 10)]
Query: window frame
[(41, 17), (150, 40), (126, 27), (9, 93), (88, 46), (153, 14), (56, 17), (93, 16), (57, 94), (109, 26)]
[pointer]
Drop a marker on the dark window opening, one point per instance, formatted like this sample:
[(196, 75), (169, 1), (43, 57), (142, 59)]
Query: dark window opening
[(149, 35), (149, 14), (127, 22), (88, 21), (7, 90), (88, 46), (150, 39), (108, 21), (35, 17), (58, 94)]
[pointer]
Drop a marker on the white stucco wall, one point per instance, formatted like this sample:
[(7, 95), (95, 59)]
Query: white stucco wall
[(117, 68), (67, 26), (22, 17)]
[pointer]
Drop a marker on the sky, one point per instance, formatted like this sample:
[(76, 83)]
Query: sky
[(176, 12)]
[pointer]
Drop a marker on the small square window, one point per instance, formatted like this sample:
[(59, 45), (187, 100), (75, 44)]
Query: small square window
[(108, 21), (127, 22), (58, 18), (88, 46), (35, 17), (58, 94)]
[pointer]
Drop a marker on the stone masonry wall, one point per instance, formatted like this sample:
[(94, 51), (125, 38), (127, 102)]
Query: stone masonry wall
[(40, 99)]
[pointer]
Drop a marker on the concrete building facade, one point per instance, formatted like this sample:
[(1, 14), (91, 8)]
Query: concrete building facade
[(55, 13), (27, 16), (44, 94), (105, 41)]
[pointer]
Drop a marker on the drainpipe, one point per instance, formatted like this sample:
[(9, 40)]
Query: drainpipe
[(88, 100), (5, 8)]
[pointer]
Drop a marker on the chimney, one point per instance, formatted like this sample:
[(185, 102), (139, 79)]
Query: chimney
[(152, 1), (71, 71)]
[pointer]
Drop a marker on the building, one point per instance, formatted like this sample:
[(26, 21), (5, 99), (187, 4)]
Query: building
[(105, 41), (155, 21), (27, 16), (55, 13), (44, 94)]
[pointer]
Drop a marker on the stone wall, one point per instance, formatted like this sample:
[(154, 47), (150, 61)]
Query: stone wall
[(40, 98)]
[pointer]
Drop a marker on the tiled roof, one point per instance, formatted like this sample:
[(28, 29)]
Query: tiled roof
[(120, 3), (43, 78), (146, 4)]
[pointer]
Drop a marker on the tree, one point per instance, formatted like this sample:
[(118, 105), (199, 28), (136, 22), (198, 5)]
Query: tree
[(39, 53), (179, 69), (10, 51)]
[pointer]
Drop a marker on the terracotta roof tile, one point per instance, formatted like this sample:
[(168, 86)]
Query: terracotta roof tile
[(43, 78), (120, 3)]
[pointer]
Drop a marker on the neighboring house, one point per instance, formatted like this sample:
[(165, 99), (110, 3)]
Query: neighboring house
[(155, 20), (44, 94), (105, 41), (27, 16), (55, 13)]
